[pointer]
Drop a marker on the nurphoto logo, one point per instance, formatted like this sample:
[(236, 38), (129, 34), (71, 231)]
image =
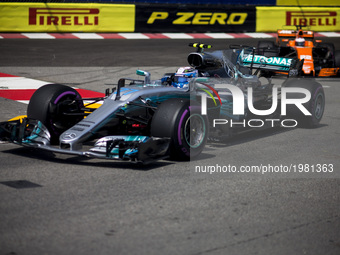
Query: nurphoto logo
[(239, 101)]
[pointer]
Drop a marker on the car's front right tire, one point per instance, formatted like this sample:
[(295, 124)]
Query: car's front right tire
[(49, 105)]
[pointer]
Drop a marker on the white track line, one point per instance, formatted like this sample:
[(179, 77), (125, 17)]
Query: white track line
[(87, 36), (20, 83), (177, 36), (133, 36), (38, 35), (258, 35), (219, 35)]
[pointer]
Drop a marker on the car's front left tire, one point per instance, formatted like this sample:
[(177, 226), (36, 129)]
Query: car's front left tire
[(181, 121)]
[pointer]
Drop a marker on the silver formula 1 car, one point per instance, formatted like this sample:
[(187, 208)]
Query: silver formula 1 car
[(171, 117)]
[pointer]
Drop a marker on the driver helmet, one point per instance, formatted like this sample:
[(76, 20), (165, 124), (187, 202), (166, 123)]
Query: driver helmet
[(183, 76), (300, 41)]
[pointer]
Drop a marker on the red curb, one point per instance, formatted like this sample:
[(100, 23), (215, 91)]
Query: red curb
[(13, 36), (17, 94), (110, 36), (7, 75), (63, 36), (200, 36), (156, 36), (236, 35)]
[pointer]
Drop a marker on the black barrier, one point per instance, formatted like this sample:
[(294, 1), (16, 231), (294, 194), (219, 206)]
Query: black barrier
[(214, 2), (155, 18)]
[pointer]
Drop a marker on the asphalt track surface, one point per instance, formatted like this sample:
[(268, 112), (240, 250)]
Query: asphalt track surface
[(62, 204)]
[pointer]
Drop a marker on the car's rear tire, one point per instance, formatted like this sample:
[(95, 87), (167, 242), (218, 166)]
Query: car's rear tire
[(316, 105), (181, 121), (337, 58), (329, 46), (48, 105)]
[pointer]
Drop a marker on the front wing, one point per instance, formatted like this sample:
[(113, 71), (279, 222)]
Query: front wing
[(139, 149)]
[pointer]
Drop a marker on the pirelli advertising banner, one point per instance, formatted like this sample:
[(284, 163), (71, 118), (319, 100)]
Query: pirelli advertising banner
[(269, 19), (49, 17), (194, 18)]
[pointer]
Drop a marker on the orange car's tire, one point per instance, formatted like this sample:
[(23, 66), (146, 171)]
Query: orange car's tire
[(337, 58)]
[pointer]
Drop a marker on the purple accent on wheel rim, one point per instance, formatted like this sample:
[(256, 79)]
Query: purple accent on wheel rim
[(315, 107), (316, 91), (179, 127), (62, 95)]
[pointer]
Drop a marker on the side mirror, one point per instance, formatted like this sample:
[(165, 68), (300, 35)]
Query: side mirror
[(146, 74)]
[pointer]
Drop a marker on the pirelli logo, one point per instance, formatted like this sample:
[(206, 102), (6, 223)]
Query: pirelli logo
[(63, 17), (311, 18)]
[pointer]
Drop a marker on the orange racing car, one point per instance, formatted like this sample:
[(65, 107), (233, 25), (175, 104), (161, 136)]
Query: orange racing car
[(319, 59)]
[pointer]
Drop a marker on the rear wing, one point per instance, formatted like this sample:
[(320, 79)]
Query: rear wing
[(292, 34), (248, 58)]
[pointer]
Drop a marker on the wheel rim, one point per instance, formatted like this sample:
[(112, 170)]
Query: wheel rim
[(319, 106), (64, 103), (194, 130)]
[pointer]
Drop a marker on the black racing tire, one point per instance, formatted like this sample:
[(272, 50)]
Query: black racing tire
[(329, 46), (267, 49), (182, 122), (337, 58), (316, 105), (48, 105)]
